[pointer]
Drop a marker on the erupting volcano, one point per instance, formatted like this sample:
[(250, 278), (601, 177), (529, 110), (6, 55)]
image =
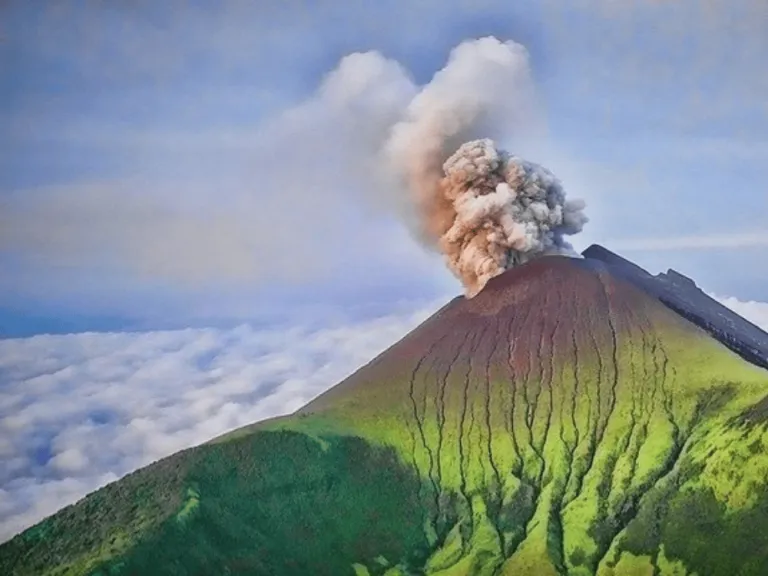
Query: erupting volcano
[(564, 420), (569, 415), (493, 211)]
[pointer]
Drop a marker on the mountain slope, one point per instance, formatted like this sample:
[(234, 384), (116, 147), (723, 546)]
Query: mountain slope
[(681, 294), (563, 421)]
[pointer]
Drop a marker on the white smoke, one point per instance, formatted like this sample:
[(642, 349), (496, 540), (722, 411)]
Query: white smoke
[(484, 209), (368, 135), (506, 211)]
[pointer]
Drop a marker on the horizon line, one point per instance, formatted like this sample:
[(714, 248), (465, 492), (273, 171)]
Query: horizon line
[(692, 242)]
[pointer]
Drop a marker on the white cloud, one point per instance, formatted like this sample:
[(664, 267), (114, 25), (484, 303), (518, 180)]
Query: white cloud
[(278, 202), (78, 411), (755, 312)]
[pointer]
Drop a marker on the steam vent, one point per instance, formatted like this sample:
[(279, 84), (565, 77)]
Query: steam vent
[(577, 416)]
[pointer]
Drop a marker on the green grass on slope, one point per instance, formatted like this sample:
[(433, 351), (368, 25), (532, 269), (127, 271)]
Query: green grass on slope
[(632, 444), (562, 459), (104, 524), (713, 513), (284, 503)]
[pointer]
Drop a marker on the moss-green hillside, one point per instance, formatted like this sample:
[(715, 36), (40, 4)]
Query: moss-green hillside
[(561, 422)]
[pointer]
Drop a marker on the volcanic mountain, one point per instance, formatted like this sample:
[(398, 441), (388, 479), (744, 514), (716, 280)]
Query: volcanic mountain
[(569, 419)]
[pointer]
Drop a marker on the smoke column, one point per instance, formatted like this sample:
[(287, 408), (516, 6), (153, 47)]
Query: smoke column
[(370, 136), (503, 211), (484, 209)]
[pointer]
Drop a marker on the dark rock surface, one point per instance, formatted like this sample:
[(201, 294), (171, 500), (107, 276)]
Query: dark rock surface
[(680, 293)]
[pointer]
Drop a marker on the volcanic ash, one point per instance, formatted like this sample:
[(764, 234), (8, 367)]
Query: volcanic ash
[(492, 211)]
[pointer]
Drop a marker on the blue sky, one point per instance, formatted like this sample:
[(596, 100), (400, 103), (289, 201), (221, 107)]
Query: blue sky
[(656, 112)]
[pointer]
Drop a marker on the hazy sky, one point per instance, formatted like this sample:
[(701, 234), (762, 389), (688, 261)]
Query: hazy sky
[(199, 172), (173, 163)]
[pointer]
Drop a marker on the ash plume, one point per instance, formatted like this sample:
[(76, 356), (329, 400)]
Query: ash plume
[(483, 208), (370, 136), (503, 210)]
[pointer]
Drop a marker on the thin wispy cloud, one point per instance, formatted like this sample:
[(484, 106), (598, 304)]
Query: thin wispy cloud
[(187, 144), (701, 242)]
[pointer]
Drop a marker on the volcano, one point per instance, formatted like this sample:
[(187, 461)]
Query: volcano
[(577, 416)]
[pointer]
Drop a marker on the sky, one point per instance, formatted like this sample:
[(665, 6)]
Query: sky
[(186, 186)]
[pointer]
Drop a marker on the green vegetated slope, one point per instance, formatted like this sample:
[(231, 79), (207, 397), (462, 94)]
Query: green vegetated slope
[(561, 422)]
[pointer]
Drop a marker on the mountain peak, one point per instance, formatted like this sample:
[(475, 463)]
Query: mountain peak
[(520, 284)]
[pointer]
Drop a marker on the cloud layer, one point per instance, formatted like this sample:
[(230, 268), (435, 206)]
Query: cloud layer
[(78, 411)]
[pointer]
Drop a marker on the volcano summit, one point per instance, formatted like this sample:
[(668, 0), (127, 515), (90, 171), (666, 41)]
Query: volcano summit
[(570, 418)]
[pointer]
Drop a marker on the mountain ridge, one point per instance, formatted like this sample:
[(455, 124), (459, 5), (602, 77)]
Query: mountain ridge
[(683, 296)]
